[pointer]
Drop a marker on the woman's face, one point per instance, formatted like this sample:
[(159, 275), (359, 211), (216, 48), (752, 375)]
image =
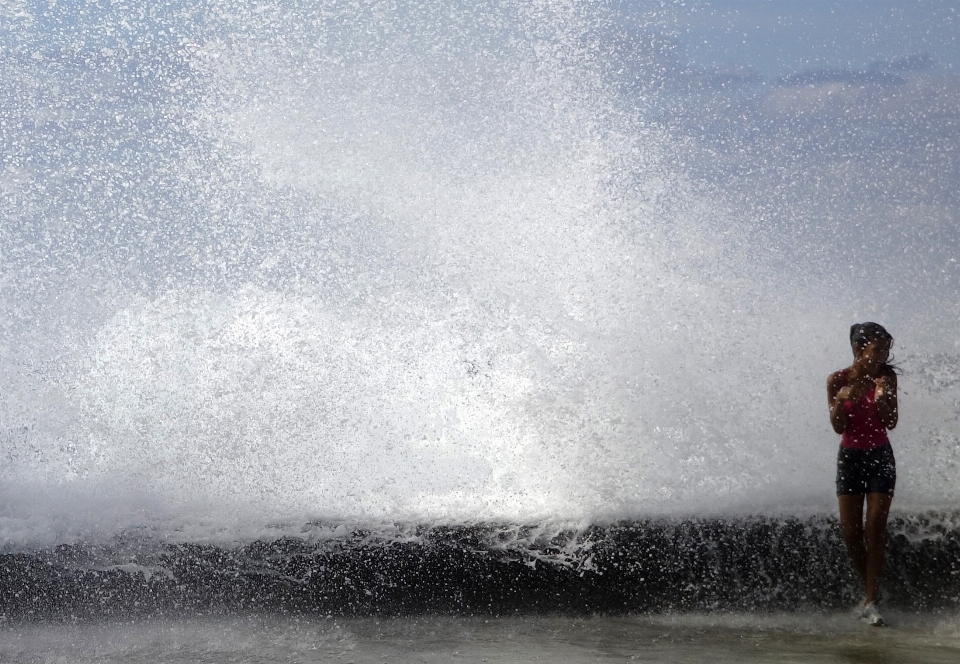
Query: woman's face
[(872, 356)]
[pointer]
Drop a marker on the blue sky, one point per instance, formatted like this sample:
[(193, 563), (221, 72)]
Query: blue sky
[(779, 37)]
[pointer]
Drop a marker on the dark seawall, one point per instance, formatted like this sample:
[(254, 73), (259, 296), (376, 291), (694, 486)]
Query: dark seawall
[(744, 564)]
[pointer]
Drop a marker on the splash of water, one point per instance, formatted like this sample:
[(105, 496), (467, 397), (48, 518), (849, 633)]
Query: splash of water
[(379, 261)]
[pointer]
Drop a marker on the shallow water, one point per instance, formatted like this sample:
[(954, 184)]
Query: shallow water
[(672, 638)]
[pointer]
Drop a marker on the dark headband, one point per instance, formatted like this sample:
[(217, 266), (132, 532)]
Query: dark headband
[(863, 333)]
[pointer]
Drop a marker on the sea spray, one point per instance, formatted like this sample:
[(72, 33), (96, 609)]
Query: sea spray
[(384, 262)]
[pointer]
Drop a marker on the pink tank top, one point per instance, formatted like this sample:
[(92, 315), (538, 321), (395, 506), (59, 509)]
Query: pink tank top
[(866, 431)]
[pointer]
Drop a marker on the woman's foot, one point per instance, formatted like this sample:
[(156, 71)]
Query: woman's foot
[(872, 615)]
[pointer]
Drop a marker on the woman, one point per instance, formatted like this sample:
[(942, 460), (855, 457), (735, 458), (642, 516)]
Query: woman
[(863, 405)]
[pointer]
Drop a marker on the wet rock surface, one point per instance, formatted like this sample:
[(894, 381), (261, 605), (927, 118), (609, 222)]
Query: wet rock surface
[(641, 566)]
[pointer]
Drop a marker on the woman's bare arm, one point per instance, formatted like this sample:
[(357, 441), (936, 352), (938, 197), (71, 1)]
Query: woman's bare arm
[(886, 396), (838, 416)]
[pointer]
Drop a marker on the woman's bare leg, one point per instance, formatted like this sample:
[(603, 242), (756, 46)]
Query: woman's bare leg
[(851, 523), (875, 536)]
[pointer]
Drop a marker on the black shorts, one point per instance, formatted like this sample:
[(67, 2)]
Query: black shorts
[(866, 471)]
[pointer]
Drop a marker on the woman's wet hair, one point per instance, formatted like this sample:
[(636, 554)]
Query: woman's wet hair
[(862, 334)]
